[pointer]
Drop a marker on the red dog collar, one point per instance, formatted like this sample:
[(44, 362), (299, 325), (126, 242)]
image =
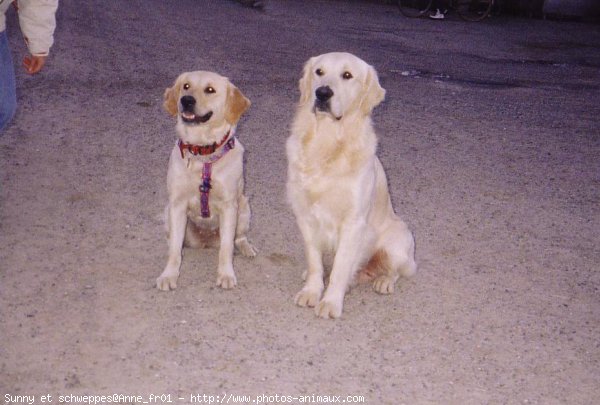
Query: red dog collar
[(201, 150)]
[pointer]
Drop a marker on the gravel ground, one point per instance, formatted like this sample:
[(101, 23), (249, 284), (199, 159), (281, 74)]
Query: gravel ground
[(490, 137)]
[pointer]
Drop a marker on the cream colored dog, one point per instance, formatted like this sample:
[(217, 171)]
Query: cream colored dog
[(337, 187), (205, 176)]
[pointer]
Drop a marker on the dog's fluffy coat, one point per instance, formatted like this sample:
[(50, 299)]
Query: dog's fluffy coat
[(214, 112), (337, 186)]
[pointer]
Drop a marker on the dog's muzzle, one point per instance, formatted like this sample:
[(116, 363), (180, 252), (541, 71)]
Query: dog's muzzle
[(188, 111), (322, 96)]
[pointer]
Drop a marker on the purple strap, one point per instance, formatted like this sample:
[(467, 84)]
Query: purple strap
[(205, 189), (206, 175)]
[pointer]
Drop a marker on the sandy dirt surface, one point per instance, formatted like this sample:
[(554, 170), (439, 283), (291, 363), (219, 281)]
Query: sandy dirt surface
[(490, 137)]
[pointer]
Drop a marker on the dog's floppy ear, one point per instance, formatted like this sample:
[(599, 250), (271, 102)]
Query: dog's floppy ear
[(170, 99), (374, 93), (305, 82), (237, 104)]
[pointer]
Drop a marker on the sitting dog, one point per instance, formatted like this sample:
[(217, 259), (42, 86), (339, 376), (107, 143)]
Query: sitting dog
[(337, 186), (205, 176)]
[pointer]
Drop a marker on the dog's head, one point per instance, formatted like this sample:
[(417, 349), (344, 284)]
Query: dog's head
[(204, 100), (338, 84)]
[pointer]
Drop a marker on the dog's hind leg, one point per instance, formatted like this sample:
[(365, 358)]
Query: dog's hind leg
[(196, 237), (395, 257), (192, 237), (243, 226)]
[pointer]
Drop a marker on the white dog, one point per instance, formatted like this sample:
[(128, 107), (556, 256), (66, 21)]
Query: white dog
[(205, 175), (337, 187)]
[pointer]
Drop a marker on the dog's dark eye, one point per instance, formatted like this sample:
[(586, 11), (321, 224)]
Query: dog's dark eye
[(186, 86), (319, 72), (209, 90), (347, 76)]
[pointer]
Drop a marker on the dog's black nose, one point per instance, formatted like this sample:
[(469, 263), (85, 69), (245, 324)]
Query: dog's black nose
[(324, 93), (188, 103)]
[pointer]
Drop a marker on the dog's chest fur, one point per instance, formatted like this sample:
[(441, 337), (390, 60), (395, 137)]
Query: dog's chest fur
[(187, 173), (326, 183), (328, 162)]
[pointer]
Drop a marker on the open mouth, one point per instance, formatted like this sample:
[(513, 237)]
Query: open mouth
[(191, 118)]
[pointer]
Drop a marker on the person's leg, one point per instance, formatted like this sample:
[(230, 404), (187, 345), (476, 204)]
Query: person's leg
[(8, 91)]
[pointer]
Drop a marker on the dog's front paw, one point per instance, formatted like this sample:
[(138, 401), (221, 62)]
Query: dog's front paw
[(167, 282), (328, 309), (307, 298), (226, 281), (246, 248), (384, 284)]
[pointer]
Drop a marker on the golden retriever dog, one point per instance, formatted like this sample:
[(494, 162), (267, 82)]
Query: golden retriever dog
[(205, 180), (337, 186)]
